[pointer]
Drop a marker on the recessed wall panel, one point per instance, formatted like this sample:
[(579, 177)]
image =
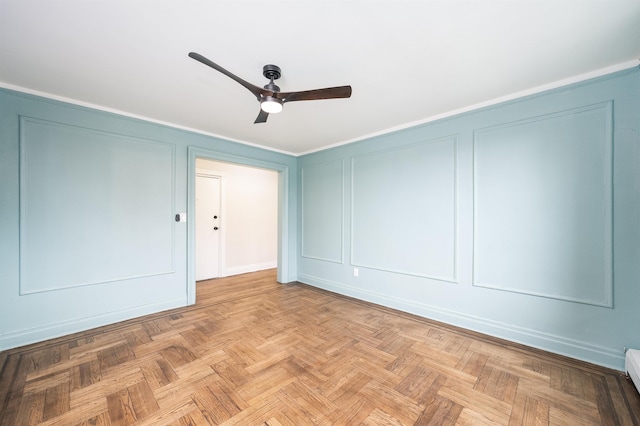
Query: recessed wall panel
[(404, 210), (543, 202), (322, 211), (94, 207)]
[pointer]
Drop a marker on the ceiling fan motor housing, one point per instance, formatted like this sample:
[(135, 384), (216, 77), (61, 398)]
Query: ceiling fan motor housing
[(272, 87)]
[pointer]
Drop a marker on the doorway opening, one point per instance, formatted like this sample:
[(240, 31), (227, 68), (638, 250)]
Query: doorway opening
[(236, 219), (282, 226)]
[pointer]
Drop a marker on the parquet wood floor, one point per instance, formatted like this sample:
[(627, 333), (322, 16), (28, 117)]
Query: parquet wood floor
[(254, 352)]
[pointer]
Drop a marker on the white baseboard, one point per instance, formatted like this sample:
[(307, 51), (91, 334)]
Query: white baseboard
[(38, 334), (560, 345), (237, 270)]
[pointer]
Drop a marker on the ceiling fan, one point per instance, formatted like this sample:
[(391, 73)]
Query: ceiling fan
[(270, 97)]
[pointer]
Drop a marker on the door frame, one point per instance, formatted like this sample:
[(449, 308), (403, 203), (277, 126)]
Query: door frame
[(284, 254), (222, 237)]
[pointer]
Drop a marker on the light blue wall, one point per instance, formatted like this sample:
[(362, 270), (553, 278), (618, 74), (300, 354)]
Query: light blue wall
[(87, 206), (520, 220)]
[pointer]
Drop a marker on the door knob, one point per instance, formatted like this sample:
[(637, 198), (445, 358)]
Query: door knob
[(215, 228)]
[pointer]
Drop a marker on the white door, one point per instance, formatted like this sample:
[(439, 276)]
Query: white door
[(207, 227)]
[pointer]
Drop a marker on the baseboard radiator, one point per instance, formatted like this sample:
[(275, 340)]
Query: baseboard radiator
[(632, 365)]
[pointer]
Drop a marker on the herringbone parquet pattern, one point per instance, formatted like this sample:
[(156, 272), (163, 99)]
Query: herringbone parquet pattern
[(254, 352)]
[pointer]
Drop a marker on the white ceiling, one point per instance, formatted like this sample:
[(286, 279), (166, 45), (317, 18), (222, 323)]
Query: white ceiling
[(407, 61)]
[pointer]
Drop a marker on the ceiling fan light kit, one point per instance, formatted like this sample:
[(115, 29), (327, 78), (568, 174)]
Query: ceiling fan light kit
[(271, 105), (270, 97)]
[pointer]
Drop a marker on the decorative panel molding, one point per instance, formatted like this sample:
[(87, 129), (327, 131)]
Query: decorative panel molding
[(88, 215), (404, 214), (543, 206), (323, 211)]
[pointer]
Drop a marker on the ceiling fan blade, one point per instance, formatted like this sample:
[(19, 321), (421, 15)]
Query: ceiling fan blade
[(257, 91), (262, 117), (312, 95)]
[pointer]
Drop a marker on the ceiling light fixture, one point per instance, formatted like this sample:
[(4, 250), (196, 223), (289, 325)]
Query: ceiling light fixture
[(270, 97), (271, 105)]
